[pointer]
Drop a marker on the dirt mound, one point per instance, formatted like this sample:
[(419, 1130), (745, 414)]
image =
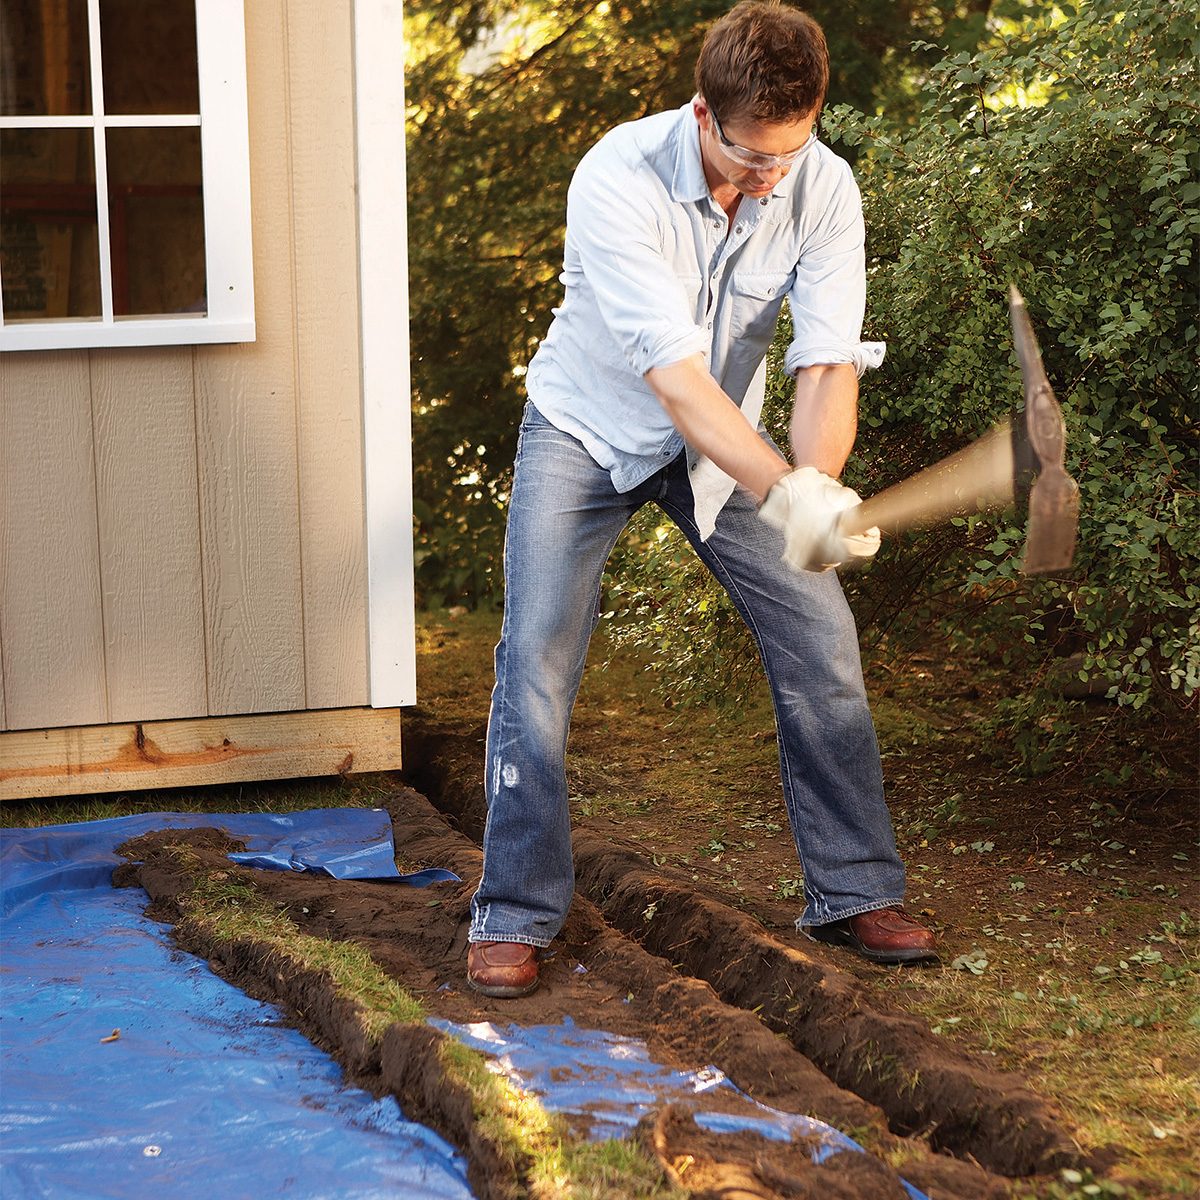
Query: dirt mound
[(748, 1166), (893, 1060), (407, 1063), (597, 975), (924, 1084)]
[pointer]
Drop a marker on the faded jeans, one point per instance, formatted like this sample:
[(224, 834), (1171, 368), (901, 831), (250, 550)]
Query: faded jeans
[(564, 518)]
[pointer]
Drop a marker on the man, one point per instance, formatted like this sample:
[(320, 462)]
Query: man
[(685, 231)]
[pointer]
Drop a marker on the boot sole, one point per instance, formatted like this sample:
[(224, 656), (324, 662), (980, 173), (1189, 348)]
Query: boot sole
[(500, 991)]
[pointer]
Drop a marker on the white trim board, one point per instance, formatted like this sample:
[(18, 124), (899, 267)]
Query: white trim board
[(386, 388)]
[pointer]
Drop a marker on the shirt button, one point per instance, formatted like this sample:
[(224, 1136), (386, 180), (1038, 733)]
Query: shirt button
[(737, 229), (763, 201)]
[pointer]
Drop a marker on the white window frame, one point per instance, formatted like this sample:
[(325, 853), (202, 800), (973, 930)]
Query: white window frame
[(225, 182)]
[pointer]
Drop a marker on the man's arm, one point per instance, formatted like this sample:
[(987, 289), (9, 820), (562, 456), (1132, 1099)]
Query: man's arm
[(713, 425), (807, 504), (824, 421), (825, 417)]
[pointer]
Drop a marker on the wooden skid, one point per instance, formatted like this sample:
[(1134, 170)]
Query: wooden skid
[(86, 759)]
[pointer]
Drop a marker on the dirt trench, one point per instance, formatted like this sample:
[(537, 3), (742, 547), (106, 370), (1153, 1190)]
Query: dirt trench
[(598, 976), (406, 1063), (921, 1082)]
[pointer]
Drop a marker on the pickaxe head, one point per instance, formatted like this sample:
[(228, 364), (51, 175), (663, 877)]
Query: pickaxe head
[(1039, 447), (1019, 459)]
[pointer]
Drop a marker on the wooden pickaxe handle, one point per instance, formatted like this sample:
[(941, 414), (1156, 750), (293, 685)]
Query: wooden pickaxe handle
[(978, 477)]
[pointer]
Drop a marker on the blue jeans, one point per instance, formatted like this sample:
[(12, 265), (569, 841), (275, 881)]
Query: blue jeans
[(564, 518)]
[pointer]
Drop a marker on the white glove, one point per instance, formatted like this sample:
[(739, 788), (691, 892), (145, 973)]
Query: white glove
[(806, 506)]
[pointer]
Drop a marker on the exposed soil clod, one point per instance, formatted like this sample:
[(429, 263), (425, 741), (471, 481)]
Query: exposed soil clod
[(748, 1166)]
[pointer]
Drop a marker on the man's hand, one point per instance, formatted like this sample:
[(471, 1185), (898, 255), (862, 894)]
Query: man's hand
[(806, 506)]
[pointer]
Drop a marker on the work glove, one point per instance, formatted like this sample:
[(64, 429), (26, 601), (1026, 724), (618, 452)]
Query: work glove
[(806, 506)]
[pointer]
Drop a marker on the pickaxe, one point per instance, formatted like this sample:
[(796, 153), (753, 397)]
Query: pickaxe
[(1019, 458)]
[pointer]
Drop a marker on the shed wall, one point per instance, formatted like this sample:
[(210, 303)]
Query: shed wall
[(182, 530)]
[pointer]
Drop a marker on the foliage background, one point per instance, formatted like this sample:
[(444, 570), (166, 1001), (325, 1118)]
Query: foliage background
[(1054, 146)]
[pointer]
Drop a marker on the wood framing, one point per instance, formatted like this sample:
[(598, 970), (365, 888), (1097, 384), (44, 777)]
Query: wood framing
[(83, 760)]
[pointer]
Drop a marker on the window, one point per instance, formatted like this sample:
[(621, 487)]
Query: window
[(124, 174)]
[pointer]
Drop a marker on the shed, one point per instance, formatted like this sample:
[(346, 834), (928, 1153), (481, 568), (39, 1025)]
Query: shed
[(205, 463)]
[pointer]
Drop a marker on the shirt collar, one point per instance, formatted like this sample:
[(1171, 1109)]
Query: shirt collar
[(688, 181)]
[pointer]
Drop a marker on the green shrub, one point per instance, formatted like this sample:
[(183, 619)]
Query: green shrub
[(1063, 159), (1088, 201)]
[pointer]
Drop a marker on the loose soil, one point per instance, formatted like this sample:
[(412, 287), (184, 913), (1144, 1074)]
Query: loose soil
[(418, 936), (1065, 902)]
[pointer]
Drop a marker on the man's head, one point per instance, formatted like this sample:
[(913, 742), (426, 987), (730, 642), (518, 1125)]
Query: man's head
[(763, 62), (760, 83)]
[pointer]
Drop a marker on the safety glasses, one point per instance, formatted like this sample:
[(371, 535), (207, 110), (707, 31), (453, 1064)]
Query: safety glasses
[(756, 160)]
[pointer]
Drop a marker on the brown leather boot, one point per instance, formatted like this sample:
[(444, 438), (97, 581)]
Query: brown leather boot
[(502, 969), (884, 935)]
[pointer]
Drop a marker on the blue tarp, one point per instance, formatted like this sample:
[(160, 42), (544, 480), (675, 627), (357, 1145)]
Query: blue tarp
[(205, 1093), (611, 1080), (347, 843)]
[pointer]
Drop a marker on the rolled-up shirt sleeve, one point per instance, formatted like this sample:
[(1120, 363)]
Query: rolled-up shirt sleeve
[(614, 239), (828, 297)]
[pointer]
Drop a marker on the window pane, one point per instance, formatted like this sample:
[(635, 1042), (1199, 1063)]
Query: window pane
[(44, 58), (49, 256), (156, 215), (149, 54)]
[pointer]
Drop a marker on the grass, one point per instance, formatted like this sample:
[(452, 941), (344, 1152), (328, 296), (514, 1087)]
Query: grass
[(229, 910), (560, 1167), (528, 1137), (1119, 1059), (284, 796)]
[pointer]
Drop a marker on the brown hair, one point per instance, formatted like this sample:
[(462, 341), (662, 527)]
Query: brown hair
[(763, 61)]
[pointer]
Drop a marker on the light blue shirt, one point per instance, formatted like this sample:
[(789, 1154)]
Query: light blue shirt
[(654, 273)]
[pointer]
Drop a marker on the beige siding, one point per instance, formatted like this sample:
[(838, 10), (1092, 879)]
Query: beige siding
[(320, 45), (50, 590), (246, 419), (144, 419), (250, 532), (181, 530)]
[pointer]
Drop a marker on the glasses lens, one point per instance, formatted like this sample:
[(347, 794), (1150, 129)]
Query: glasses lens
[(766, 161), (762, 162)]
